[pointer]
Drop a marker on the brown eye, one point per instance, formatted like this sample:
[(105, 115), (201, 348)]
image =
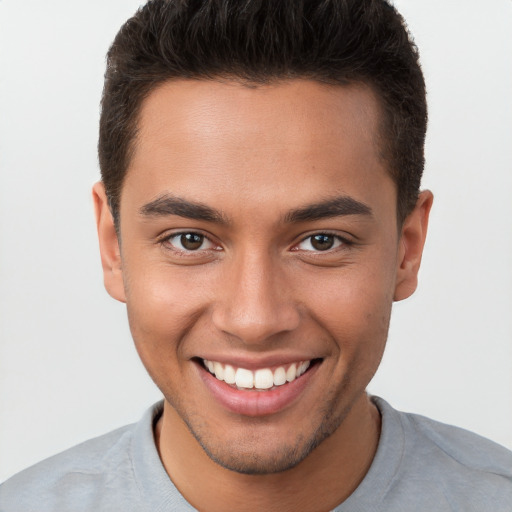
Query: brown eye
[(322, 242), (191, 241), (190, 244)]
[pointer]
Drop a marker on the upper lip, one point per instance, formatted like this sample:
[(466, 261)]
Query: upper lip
[(255, 363)]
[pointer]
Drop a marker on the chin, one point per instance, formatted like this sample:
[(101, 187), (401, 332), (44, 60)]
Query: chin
[(254, 462), (263, 451)]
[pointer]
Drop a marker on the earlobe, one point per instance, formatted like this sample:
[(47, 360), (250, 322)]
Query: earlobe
[(109, 244), (412, 240)]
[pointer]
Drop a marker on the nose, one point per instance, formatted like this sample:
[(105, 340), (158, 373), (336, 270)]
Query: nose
[(256, 303)]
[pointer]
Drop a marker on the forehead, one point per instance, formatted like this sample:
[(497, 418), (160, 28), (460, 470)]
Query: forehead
[(294, 138), (227, 111)]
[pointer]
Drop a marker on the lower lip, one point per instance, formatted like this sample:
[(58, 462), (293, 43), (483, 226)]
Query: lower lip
[(256, 403)]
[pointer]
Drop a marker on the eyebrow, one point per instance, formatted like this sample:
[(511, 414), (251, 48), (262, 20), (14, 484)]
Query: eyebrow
[(335, 207), (170, 205)]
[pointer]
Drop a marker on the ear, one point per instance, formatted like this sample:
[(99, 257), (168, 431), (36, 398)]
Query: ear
[(109, 244), (412, 240)]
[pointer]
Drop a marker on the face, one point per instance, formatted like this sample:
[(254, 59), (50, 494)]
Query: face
[(259, 258)]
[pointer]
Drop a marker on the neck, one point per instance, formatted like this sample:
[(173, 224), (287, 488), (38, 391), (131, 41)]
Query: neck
[(324, 479)]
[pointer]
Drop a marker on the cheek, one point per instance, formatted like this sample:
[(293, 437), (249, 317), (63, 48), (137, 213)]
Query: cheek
[(356, 319), (354, 306), (163, 307)]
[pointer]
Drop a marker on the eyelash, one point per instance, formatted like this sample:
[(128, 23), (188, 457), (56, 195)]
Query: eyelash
[(342, 242), (166, 242)]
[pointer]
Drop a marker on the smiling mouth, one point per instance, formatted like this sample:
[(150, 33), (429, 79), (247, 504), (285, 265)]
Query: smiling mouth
[(263, 379)]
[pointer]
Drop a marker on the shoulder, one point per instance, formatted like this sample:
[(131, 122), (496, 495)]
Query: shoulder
[(71, 478), (448, 464), (464, 448)]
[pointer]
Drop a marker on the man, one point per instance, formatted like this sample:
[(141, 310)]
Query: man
[(259, 212)]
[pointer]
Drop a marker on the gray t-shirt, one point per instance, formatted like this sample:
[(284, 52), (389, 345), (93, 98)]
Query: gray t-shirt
[(420, 465)]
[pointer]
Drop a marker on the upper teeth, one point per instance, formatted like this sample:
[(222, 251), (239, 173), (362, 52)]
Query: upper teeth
[(264, 378)]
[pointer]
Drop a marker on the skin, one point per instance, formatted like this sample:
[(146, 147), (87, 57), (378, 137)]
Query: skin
[(257, 291)]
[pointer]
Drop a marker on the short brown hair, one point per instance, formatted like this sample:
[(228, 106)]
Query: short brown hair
[(258, 42)]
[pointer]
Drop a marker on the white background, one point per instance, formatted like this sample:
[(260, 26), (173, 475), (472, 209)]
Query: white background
[(68, 370)]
